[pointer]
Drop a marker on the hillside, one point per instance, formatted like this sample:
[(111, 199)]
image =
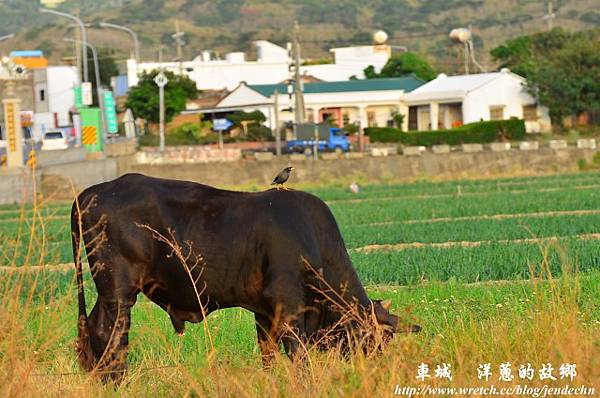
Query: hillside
[(231, 25)]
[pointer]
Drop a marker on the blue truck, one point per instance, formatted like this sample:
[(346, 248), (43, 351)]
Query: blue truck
[(331, 139)]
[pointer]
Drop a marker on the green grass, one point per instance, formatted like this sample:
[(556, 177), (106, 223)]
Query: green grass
[(441, 308), (493, 302)]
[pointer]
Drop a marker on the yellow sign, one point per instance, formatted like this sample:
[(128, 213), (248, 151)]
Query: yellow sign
[(10, 127), (88, 135)]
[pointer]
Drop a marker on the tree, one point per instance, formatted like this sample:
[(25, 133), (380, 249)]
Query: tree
[(561, 69), (523, 53), (401, 65), (143, 98), (568, 83)]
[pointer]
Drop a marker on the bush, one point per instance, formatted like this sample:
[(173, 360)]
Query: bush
[(186, 134), (479, 132), (258, 132)]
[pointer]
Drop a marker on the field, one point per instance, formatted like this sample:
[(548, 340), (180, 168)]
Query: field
[(493, 270)]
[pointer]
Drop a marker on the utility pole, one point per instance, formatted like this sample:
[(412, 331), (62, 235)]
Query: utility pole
[(298, 96), (178, 36), (99, 90), (550, 15), (276, 117)]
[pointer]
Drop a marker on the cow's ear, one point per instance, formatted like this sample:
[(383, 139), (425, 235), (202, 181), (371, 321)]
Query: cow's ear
[(386, 304)]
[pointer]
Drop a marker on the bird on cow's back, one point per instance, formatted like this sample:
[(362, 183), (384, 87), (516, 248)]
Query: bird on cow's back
[(282, 177)]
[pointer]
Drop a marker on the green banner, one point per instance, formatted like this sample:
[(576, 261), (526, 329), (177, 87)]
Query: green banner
[(78, 97), (111, 112)]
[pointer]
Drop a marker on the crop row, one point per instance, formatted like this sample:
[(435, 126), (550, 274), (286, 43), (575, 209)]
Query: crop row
[(463, 206), (472, 230), (463, 186), (488, 262)]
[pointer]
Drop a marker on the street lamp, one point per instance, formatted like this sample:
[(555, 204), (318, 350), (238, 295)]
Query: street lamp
[(6, 37), (97, 73), (136, 43), (83, 37)]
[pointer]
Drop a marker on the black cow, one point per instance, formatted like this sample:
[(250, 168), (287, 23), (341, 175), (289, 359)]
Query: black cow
[(265, 252)]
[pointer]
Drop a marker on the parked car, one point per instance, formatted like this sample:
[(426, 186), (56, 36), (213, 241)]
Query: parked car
[(54, 140)]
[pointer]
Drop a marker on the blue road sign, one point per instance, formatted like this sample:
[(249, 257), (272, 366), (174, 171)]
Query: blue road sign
[(221, 124)]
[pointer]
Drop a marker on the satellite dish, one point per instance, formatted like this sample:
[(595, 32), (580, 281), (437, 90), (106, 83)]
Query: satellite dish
[(461, 35), (380, 37)]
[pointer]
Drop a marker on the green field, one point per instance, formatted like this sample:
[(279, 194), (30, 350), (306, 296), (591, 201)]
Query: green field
[(422, 231), (493, 270)]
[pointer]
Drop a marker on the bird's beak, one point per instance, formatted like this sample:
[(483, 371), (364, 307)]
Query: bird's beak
[(293, 168)]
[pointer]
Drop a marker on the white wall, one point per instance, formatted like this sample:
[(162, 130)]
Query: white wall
[(507, 91), (270, 68), (61, 98)]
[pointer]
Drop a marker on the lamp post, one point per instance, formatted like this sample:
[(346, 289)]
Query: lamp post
[(83, 37), (136, 43), (98, 88)]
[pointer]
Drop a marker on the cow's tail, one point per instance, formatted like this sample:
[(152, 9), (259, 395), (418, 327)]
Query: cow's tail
[(83, 345)]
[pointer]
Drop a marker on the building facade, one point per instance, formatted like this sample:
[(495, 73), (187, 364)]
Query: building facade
[(365, 103), (450, 101), (270, 67)]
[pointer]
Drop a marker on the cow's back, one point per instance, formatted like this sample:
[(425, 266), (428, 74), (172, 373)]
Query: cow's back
[(228, 235)]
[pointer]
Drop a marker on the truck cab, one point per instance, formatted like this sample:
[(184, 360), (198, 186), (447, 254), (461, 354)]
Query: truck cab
[(330, 139)]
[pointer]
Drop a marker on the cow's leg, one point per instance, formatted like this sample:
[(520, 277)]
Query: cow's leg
[(287, 299), (109, 322), (266, 341), (110, 319)]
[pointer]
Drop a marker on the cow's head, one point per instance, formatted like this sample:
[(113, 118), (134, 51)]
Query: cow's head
[(390, 323)]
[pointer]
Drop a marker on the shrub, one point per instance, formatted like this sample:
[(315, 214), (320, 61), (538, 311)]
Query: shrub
[(258, 132), (186, 134), (478, 132)]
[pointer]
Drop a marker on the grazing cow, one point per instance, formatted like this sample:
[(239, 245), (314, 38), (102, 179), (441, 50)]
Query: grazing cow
[(193, 249)]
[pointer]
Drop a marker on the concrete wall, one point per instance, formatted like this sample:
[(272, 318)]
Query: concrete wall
[(49, 158), (372, 170), (17, 185), (59, 182)]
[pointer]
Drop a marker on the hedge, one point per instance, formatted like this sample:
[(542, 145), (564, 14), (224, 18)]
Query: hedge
[(478, 132)]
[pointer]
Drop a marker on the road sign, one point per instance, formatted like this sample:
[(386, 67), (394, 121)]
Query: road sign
[(89, 135), (161, 80), (86, 93), (91, 129), (111, 113), (221, 124)]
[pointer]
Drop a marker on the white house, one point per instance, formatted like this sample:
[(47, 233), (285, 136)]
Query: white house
[(448, 101), (369, 103), (270, 67), (53, 97)]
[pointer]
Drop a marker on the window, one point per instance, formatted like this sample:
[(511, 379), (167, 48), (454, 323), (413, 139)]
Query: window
[(42, 95), (530, 113), (497, 112)]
